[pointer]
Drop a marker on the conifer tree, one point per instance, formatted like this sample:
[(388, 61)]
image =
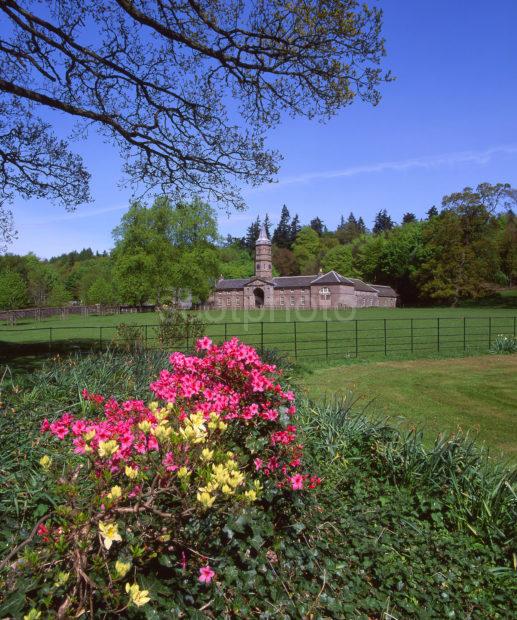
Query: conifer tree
[(294, 229), (383, 222), (252, 234), (281, 235)]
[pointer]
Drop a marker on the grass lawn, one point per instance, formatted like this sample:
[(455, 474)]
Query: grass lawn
[(367, 332), (477, 394)]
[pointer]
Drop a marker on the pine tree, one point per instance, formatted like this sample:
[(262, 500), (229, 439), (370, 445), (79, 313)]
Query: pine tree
[(267, 226), (383, 222), (252, 234), (433, 212), (408, 218), (361, 226), (281, 235), (349, 230), (294, 229), (317, 225)]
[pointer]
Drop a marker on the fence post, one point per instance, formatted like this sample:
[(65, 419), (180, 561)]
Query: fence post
[(225, 331), (327, 340), (295, 341), (514, 325), (145, 336), (50, 338), (385, 339), (356, 339), (464, 333), (100, 337), (438, 333), (262, 337), (412, 346), (489, 331)]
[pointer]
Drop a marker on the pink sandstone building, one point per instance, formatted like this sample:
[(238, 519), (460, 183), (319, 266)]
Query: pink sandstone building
[(323, 291)]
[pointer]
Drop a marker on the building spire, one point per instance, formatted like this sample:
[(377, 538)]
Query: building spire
[(263, 238)]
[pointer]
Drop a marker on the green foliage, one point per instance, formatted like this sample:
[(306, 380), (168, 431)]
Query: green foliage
[(339, 258), (13, 291), (235, 261), (178, 330), (130, 338), (396, 528), (504, 343), (306, 250)]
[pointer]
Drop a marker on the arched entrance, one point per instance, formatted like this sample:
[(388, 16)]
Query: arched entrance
[(258, 293)]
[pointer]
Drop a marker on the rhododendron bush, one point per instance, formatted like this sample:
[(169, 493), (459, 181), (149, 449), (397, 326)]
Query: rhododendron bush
[(154, 487)]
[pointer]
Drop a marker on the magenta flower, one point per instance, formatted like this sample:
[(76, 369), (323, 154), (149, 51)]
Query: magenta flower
[(204, 344), (296, 482), (206, 574)]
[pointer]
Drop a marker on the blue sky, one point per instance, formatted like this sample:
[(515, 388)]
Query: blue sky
[(449, 120)]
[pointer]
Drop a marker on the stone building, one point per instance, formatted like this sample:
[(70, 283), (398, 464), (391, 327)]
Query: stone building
[(322, 291)]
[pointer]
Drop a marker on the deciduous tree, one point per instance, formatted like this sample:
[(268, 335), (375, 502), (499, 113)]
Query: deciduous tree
[(185, 90)]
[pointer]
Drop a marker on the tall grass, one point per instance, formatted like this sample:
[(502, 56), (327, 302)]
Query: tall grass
[(480, 492)]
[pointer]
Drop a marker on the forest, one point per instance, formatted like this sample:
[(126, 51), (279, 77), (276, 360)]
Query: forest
[(166, 251)]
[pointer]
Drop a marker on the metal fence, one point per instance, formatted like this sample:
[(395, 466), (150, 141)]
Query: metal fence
[(328, 339)]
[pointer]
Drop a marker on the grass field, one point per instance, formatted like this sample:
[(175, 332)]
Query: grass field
[(475, 394), (369, 333)]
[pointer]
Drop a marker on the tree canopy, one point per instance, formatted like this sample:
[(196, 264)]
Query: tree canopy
[(185, 90)]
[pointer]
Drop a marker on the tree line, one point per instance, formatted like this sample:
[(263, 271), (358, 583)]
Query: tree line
[(170, 251)]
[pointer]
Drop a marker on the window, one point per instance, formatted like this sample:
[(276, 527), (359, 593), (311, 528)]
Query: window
[(292, 300), (228, 300), (324, 292), (302, 300), (282, 302)]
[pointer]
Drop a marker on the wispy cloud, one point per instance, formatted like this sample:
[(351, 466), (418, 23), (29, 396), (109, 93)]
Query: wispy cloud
[(73, 215), (427, 163)]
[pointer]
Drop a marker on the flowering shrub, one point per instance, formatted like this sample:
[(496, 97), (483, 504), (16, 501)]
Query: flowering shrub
[(147, 484)]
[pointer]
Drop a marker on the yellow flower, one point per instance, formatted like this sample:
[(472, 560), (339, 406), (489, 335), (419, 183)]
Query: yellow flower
[(122, 568), (33, 614), (136, 596), (115, 493), (205, 498), (236, 479), (109, 533), (207, 455), (153, 406), (250, 495), (222, 426), (162, 431), (89, 435), (107, 448), (131, 472), (257, 484), (226, 489), (145, 426), (183, 472), (61, 579), (45, 462), (213, 421)]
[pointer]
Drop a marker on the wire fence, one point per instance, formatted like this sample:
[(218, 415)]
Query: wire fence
[(328, 339)]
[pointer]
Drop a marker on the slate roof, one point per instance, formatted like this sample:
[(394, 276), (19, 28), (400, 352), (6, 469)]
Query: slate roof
[(363, 286), (332, 277), (293, 281), (236, 283), (384, 291)]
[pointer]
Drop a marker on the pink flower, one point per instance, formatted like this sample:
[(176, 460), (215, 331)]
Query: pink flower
[(204, 344), (296, 482), (258, 464), (206, 574)]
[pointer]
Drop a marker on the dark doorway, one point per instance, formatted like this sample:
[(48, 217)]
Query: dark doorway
[(259, 297)]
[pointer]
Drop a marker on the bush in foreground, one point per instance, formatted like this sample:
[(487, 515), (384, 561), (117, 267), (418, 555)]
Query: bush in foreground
[(397, 528), (146, 493)]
